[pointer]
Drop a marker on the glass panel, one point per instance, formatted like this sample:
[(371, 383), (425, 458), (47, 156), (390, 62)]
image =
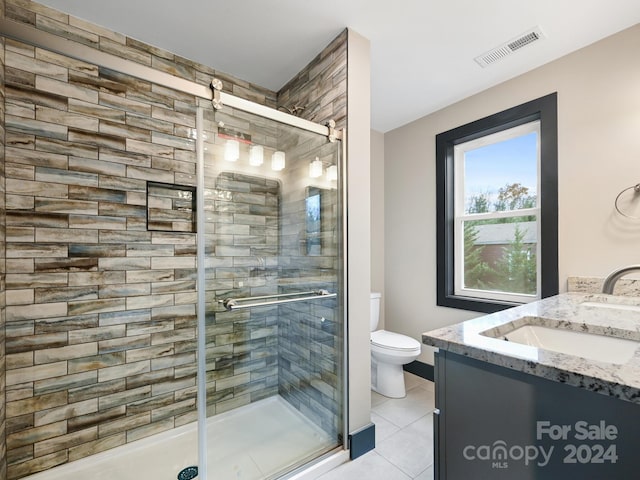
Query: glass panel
[(500, 255), (274, 373), (314, 221), (502, 175)]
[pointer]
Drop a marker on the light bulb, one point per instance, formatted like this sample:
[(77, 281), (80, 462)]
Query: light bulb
[(277, 161), (315, 168), (256, 155), (231, 150), (332, 173)]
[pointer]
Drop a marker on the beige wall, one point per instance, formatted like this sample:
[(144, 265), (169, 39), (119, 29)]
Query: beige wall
[(359, 230), (377, 217), (598, 153)]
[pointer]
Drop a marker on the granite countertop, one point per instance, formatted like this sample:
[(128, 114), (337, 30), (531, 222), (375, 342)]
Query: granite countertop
[(591, 313)]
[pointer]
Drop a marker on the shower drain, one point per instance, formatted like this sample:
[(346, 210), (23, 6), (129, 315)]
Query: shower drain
[(188, 473)]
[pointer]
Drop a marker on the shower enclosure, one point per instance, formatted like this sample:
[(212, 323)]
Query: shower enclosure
[(272, 321), (172, 265)]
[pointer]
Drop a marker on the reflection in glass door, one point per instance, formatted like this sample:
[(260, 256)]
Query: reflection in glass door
[(274, 330)]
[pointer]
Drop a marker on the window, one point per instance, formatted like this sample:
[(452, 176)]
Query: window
[(497, 209)]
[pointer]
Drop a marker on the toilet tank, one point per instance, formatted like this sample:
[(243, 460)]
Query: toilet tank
[(375, 310)]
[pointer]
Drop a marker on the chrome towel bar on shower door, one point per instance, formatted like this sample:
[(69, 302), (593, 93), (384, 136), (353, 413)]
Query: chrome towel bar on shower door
[(232, 303)]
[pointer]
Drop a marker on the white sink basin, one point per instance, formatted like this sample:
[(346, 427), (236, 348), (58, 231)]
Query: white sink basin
[(586, 345)]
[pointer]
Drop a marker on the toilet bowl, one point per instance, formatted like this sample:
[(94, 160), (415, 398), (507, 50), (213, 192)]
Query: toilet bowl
[(389, 352)]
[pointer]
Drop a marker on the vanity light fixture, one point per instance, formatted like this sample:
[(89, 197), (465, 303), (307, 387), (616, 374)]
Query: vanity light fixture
[(231, 150), (332, 173), (256, 155), (232, 138), (315, 168), (277, 161)]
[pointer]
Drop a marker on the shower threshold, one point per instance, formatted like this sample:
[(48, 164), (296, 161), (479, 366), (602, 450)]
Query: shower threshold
[(254, 442)]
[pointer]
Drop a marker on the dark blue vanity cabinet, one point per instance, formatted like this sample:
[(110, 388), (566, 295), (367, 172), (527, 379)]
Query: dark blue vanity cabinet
[(495, 423)]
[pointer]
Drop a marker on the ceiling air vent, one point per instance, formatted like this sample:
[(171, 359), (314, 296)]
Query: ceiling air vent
[(509, 47)]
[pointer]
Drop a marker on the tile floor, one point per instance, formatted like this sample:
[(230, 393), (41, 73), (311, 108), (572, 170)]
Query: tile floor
[(404, 438)]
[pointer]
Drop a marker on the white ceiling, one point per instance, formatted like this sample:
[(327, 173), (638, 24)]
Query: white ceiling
[(422, 51)]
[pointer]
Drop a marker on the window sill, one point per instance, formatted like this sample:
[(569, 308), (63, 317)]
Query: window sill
[(474, 304)]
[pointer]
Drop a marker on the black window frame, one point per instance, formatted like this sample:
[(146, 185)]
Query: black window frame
[(543, 109)]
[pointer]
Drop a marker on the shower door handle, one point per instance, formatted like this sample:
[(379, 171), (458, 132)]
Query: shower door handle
[(232, 303)]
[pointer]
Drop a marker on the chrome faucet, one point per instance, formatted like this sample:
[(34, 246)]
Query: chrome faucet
[(613, 277)]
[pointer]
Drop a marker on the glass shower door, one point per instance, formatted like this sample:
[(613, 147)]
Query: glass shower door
[(273, 279)]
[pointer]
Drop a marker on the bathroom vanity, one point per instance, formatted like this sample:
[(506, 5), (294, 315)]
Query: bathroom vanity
[(545, 390)]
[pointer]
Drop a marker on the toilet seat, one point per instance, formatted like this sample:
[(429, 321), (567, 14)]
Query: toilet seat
[(394, 341)]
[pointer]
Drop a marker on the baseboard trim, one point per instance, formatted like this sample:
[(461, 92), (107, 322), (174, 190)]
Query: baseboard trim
[(420, 369), (362, 441)]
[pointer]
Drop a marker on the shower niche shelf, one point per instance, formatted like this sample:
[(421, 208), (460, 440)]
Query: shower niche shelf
[(171, 208)]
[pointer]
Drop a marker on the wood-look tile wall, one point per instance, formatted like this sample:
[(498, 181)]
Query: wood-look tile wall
[(86, 33), (3, 443), (311, 334), (100, 319), (321, 87), (101, 343), (242, 247), (257, 245)]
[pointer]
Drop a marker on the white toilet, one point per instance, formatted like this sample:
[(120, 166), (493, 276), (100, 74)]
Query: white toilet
[(389, 352)]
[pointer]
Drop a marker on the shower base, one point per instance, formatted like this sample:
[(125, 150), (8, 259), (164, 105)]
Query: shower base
[(253, 442), (259, 440)]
